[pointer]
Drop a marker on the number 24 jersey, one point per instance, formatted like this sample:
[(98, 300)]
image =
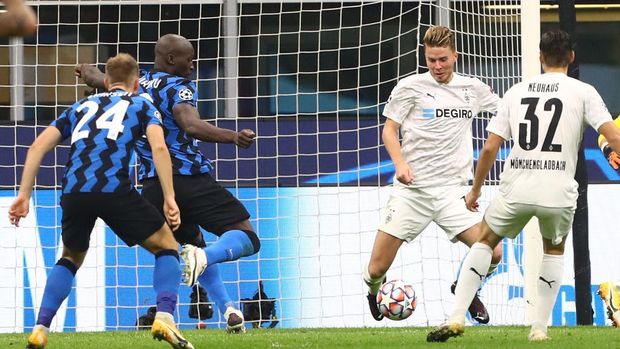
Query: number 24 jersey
[(103, 129)]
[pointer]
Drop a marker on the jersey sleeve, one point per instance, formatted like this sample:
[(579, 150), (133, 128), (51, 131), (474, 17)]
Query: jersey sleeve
[(500, 123), (487, 99), (596, 113), (63, 124), (399, 103), (152, 116), (185, 92)]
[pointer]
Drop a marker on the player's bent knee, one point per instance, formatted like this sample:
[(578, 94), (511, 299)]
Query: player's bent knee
[(497, 254), (375, 270), (169, 252), (69, 264), (162, 239), (254, 239), (76, 258)]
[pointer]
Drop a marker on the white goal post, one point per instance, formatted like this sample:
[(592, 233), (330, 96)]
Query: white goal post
[(533, 249), (311, 78)]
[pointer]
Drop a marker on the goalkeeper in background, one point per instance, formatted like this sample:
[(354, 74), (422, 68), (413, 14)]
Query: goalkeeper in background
[(202, 201), (433, 112), (609, 291)]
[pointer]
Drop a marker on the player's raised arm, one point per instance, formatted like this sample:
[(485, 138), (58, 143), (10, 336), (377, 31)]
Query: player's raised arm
[(604, 144), (91, 75), (18, 20), (45, 142)]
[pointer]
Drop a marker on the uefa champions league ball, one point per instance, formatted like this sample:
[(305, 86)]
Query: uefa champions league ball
[(396, 300)]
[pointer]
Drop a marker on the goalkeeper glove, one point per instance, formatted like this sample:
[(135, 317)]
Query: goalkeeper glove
[(612, 157)]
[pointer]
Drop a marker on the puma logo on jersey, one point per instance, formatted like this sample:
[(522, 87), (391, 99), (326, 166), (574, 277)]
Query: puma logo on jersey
[(547, 282), (430, 95)]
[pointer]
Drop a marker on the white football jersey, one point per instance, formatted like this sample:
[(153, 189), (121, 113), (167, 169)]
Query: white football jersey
[(436, 124), (546, 117)]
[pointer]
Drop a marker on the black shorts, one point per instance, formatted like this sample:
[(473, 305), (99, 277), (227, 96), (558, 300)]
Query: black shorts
[(202, 201), (132, 218)]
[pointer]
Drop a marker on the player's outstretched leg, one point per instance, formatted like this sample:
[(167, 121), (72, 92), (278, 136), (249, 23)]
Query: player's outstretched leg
[(445, 331), (38, 337), (212, 281), (57, 289), (476, 309), (608, 292), (231, 245)]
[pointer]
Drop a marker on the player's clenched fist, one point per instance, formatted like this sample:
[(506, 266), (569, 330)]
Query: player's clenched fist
[(245, 138), (403, 173)]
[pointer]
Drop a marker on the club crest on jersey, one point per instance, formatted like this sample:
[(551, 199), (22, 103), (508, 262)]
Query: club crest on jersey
[(186, 94), (466, 95)]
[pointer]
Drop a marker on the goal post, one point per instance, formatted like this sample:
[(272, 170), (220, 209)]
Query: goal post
[(311, 78), (533, 248)]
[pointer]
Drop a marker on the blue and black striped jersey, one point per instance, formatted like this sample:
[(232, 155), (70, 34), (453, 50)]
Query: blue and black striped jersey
[(103, 129), (166, 91)]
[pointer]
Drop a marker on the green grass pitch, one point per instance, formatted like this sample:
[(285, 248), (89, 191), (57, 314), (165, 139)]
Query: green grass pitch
[(497, 337)]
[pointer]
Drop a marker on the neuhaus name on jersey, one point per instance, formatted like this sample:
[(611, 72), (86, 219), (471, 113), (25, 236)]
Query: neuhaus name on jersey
[(543, 87), (532, 164)]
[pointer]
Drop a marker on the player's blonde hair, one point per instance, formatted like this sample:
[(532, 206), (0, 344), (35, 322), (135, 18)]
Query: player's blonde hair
[(121, 68), (439, 36)]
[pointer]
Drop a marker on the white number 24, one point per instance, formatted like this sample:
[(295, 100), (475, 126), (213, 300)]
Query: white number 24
[(114, 126)]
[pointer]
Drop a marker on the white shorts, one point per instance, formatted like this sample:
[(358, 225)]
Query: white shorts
[(410, 210), (507, 219)]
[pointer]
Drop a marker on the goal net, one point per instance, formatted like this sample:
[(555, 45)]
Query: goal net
[(311, 78)]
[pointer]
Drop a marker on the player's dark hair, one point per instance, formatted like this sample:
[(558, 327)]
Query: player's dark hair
[(556, 47), (121, 68)]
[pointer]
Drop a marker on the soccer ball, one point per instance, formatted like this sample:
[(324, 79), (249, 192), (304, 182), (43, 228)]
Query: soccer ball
[(396, 300)]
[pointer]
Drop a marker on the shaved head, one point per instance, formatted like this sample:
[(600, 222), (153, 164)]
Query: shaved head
[(174, 54)]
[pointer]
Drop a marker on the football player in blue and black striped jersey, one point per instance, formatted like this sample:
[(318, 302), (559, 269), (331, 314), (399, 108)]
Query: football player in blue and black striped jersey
[(201, 199), (103, 129)]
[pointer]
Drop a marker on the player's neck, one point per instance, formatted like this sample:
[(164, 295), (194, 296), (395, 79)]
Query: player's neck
[(563, 70), (118, 87)]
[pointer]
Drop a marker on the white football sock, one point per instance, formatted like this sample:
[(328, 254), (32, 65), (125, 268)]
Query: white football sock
[(548, 286), (373, 283), (165, 317), (45, 329), (472, 273)]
